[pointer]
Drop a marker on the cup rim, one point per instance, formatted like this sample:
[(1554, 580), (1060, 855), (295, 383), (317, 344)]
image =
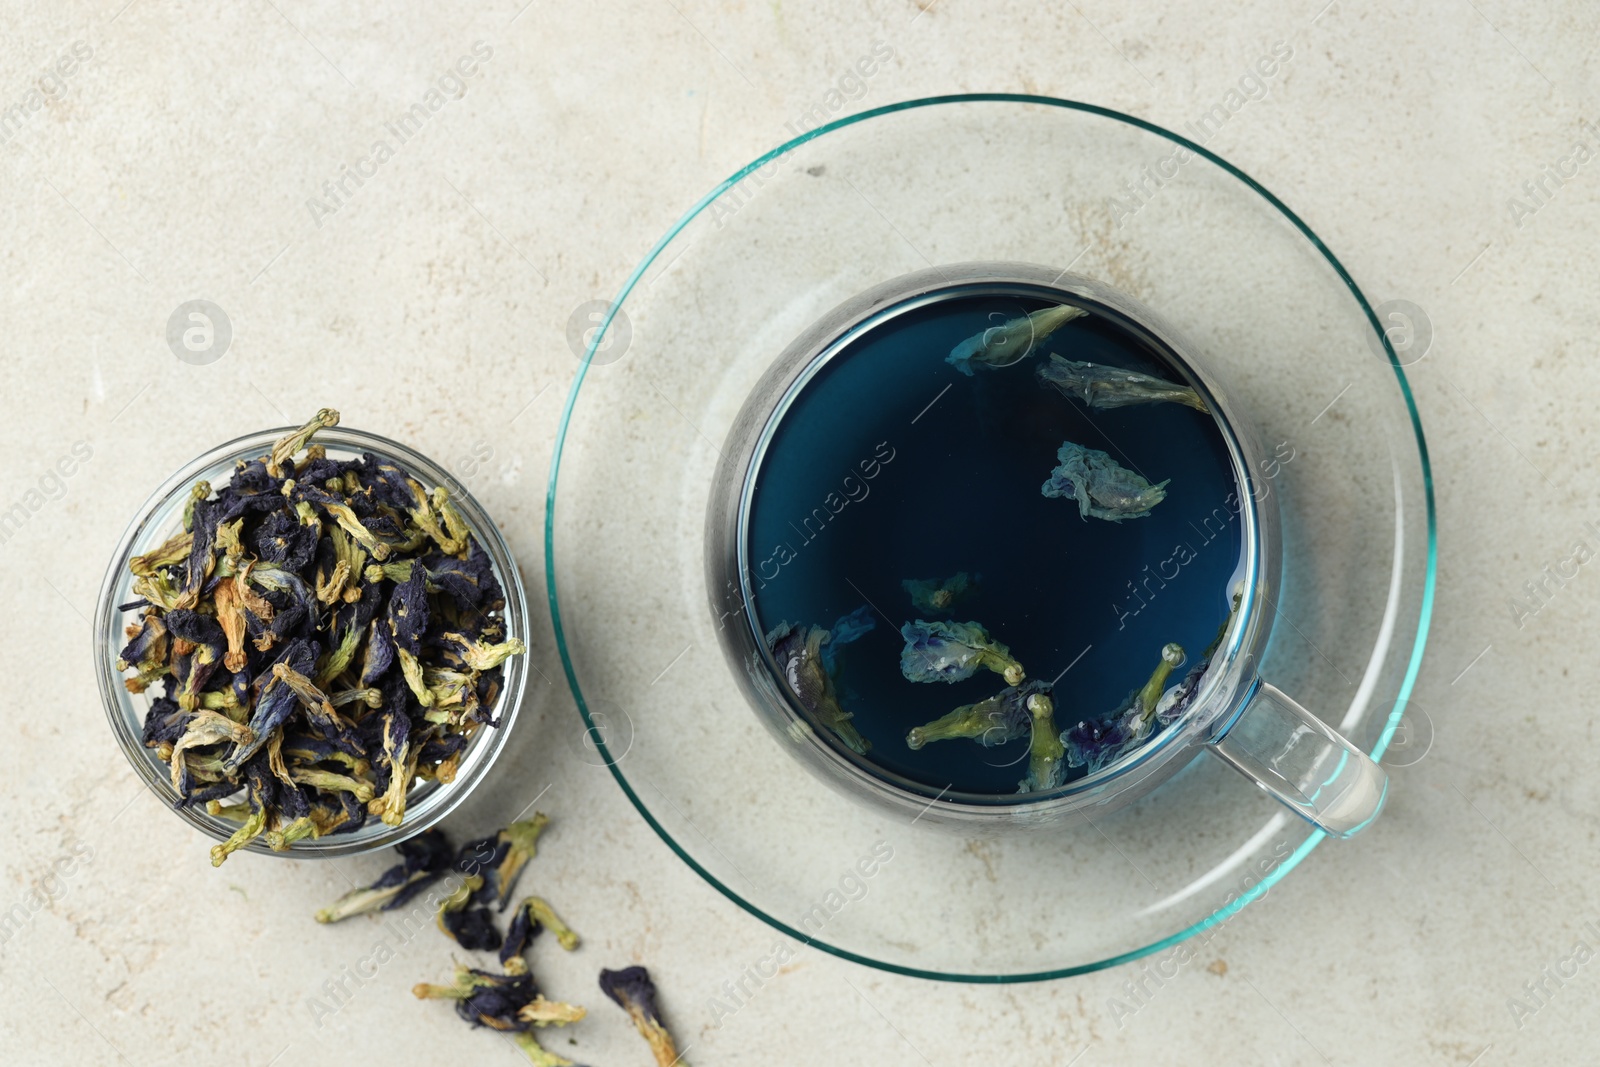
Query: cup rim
[(428, 803)]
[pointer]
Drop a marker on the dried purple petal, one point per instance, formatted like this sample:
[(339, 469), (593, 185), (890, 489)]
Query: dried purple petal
[(423, 859), (633, 991)]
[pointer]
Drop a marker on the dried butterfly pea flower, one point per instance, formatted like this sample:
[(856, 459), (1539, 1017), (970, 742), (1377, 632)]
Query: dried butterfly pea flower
[(469, 926), (519, 934), (482, 997), (481, 655), (202, 557), (510, 1003), (469, 582), (334, 782), (379, 654), (953, 652), (230, 616), (197, 651), (1103, 388), (295, 607), (408, 619), (633, 991), (424, 859), (440, 757), (275, 702), (204, 728), (294, 817), (205, 795), (532, 915), (399, 765), (146, 652), (372, 698), (285, 448), (544, 915), (262, 795), (352, 814), (307, 749), (542, 1012), (172, 551), (309, 500), (283, 539), (520, 843)]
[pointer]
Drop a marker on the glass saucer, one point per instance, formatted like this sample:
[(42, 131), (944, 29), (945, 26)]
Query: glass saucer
[(773, 249)]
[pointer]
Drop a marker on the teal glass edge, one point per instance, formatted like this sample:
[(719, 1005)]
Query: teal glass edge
[(1227, 911)]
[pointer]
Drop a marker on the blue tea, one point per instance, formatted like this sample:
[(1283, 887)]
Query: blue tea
[(992, 539)]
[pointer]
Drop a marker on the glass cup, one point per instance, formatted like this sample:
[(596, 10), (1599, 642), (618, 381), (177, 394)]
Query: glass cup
[(1236, 715), (162, 516)]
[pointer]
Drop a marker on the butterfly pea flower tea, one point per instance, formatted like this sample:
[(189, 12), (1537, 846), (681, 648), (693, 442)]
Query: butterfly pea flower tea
[(1034, 587)]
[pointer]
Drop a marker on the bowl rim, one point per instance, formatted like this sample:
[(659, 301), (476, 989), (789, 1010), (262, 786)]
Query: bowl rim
[(432, 801), (600, 335)]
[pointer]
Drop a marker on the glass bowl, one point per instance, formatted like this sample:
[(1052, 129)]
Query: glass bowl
[(818, 220), (162, 516)]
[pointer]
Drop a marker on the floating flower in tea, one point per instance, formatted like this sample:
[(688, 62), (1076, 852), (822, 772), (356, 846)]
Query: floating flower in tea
[(935, 596), (1097, 744), (953, 652), (1013, 341), (1175, 701), (848, 628), (807, 660), (1102, 387), (1103, 488), (1046, 769), (991, 722)]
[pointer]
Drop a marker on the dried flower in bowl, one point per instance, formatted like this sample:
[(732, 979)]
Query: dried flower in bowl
[(326, 634)]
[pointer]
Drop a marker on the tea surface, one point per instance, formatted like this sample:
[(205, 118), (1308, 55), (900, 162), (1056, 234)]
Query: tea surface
[(900, 489)]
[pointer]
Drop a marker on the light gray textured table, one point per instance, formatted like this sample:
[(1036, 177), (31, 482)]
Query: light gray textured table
[(195, 152)]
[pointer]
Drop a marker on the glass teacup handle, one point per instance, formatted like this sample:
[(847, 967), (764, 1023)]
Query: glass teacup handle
[(1304, 763)]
